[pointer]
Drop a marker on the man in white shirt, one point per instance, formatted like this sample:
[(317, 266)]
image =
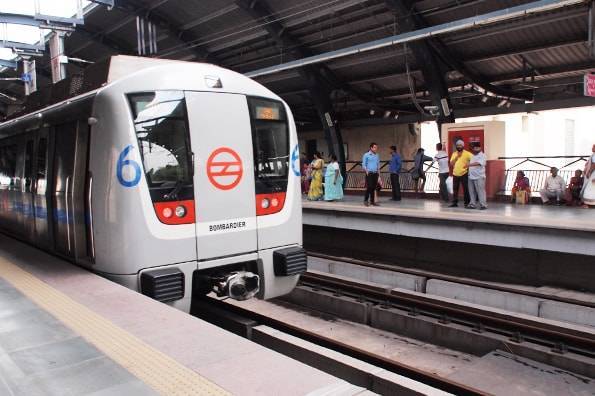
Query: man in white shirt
[(477, 178), (553, 188), (441, 158)]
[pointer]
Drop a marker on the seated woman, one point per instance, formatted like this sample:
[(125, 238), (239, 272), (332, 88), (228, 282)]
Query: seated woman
[(573, 192), (521, 183), (333, 181)]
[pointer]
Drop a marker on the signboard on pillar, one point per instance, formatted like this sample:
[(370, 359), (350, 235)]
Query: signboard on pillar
[(29, 76), (589, 86), (56, 56)]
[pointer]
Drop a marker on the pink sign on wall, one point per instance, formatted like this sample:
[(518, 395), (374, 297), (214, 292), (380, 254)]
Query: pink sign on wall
[(590, 85)]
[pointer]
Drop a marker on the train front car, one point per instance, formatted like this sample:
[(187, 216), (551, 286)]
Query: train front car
[(195, 184)]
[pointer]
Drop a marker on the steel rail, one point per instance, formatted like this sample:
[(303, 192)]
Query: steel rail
[(451, 278), (413, 373), (573, 338)]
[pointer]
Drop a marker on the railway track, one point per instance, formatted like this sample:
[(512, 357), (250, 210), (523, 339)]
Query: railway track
[(239, 320), (515, 327), (464, 281)]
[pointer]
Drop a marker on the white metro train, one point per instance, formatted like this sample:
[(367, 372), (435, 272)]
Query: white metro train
[(171, 178)]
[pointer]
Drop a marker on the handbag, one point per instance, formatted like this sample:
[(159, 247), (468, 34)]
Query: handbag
[(521, 197)]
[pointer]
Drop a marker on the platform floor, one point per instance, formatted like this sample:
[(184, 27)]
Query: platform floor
[(65, 331), (553, 217)]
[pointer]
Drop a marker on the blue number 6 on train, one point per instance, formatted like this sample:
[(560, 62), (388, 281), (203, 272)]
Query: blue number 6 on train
[(122, 162)]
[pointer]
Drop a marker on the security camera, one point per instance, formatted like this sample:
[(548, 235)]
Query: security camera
[(433, 110)]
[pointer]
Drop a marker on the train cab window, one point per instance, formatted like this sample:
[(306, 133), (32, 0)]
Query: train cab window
[(270, 136), (42, 165), (161, 125), (8, 166)]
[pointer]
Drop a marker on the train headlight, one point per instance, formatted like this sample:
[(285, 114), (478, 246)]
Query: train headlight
[(167, 212), (275, 202), (265, 203), (180, 211)]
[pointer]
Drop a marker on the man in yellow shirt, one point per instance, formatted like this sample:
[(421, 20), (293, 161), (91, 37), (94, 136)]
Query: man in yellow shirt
[(459, 161)]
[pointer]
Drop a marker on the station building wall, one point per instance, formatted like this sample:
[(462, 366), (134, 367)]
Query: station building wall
[(357, 140)]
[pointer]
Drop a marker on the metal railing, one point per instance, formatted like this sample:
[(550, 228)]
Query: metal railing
[(356, 177), (537, 169)]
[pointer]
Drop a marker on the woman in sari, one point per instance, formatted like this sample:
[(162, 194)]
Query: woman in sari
[(315, 192), (588, 193), (333, 181), (521, 183)]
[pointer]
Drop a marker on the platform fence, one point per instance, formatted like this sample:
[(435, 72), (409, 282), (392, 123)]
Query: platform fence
[(536, 169)]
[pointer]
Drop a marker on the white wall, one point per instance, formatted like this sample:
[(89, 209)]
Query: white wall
[(541, 133), (358, 140)]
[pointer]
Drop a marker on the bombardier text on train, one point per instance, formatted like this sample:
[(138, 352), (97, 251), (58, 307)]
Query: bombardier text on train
[(125, 177)]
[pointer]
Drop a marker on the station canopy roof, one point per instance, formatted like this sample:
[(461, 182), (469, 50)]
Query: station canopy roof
[(507, 63)]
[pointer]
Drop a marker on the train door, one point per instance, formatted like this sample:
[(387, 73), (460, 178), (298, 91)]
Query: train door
[(69, 189), (221, 140), (40, 184), (28, 213)]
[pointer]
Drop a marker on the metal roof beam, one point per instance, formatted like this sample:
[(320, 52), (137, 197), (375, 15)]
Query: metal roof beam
[(40, 20), (289, 23), (433, 71), (317, 81), (21, 46), (135, 8), (8, 63), (99, 37), (449, 27)]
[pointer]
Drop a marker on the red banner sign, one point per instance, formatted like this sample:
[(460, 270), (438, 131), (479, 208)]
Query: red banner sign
[(590, 85)]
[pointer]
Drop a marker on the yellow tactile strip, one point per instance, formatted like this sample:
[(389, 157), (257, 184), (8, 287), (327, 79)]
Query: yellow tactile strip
[(154, 368)]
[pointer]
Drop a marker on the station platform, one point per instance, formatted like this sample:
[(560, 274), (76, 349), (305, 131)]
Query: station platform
[(65, 331), (523, 244), (553, 228)]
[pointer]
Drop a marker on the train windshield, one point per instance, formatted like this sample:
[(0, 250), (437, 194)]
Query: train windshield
[(161, 125), (270, 137)]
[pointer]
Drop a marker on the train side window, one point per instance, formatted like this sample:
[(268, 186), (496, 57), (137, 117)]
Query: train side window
[(8, 166), (42, 165), (161, 125), (28, 174)]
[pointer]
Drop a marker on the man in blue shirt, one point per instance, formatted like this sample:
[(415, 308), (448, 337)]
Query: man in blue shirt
[(394, 167), (371, 165)]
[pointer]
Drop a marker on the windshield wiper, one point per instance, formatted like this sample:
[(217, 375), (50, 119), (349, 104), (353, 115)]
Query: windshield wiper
[(173, 194)]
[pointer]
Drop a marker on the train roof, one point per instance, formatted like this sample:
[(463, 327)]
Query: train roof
[(77, 88)]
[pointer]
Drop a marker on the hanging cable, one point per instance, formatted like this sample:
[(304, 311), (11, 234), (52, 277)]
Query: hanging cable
[(411, 85)]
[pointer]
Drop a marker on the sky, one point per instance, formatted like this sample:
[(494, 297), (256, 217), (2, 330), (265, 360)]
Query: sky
[(29, 34)]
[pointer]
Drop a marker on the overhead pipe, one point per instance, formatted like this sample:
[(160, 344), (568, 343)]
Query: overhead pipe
[(448, 27)]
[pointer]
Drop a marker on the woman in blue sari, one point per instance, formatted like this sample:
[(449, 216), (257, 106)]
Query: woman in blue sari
[(333, 181)]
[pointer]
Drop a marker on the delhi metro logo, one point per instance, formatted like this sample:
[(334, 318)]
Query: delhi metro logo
[(224, 168)]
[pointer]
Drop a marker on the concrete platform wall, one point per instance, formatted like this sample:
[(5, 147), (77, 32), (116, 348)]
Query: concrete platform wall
[(489, 263)]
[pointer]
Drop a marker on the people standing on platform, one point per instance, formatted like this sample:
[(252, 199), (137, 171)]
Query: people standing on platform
[(315, 192), (418, 173), (441, 158), (588, 193), (371, 165), (553, 187), (394, 167), (521, 188), (333, 181), (575, 187), (477, 178), (305, 173), (460, 173)]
